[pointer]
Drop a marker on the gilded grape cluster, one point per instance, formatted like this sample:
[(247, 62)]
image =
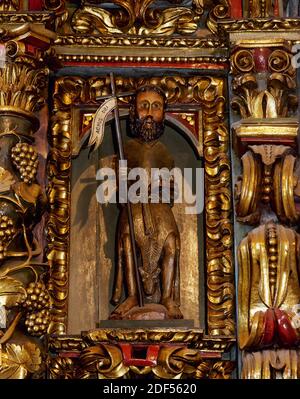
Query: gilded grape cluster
[(7, 232), (37, 323), (37, 305), (37, 297), (25, 159)]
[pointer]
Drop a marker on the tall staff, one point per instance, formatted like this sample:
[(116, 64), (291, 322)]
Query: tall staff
[(96, 137)]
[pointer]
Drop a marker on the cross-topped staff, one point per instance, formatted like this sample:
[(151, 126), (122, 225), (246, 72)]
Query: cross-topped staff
[(96, 137)]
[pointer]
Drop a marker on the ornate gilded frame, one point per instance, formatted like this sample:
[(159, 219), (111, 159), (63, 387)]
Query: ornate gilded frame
[(131, 35), (207, 92)]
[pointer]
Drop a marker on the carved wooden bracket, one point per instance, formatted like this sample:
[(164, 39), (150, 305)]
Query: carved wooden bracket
[(159, 353)]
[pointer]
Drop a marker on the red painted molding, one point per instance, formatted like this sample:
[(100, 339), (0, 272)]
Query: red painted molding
[(140, 355), (35, 5), (236, 9)]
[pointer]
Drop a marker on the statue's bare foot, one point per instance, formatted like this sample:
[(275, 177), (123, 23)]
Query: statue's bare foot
[(172, 308), (124, 307)]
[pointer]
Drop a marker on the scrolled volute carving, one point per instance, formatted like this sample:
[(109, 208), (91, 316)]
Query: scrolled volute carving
[(247, 190), (60, 10), (215, 370), (287, 189), (242, 61), (270, 178), (217, 14), (278, 98), (280, 61), (104, 361), (177, 362), (12, 48)]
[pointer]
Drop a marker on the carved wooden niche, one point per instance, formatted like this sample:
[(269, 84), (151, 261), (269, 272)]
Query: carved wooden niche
[(196, 136)]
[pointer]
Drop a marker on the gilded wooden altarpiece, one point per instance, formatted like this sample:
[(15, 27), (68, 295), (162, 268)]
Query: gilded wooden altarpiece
[(227, 70), (208, 93), (198, 351)]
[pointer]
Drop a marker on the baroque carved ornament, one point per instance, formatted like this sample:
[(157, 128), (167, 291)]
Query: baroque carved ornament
[(106, 361), (147, 17), (137, 18), (24, 293), (278, 99), (100, 354), (209, 94)]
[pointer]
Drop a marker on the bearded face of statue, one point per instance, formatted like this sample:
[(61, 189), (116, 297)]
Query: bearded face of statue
[(147, 120)]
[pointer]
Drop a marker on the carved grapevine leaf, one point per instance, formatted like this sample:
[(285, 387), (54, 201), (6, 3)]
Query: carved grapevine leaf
[(11, 367), (28, 193), (34, 359), (6, 180), (18, 361), (12, 292)]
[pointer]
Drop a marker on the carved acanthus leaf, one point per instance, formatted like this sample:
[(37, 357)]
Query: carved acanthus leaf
[(277, 100), (9, 5), (269, 153), (22, 87), (138, 18)]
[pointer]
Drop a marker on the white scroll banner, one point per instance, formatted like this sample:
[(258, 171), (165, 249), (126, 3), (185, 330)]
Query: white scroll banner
[(99, 121)]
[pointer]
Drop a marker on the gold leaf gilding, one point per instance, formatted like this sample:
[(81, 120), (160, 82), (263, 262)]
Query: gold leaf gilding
[(18, 361), (12, 292)]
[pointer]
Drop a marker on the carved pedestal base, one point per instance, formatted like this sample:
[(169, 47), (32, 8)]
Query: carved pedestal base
[(151, 311), (130, 353)]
